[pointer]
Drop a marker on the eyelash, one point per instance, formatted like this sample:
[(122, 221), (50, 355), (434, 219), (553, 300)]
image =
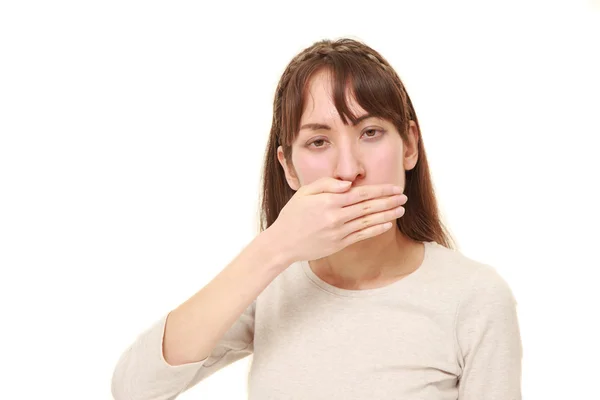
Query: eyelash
[(368, 130)]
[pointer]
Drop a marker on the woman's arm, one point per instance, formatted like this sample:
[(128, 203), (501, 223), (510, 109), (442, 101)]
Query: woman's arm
[(170, 357), (194, 328), (488, 340)]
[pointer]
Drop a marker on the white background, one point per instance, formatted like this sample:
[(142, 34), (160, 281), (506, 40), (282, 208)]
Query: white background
[(132, 136)]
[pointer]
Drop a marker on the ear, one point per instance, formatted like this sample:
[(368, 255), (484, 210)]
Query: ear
[(411, 149), (290, 174)]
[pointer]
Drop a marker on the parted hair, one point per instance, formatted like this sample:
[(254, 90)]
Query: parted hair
[(378, 89)]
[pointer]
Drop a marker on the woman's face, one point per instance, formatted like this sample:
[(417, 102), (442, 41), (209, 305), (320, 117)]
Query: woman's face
[(372, 152)]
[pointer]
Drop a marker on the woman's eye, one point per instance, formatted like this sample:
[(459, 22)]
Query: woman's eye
[(374, 131), (370, 133), (318, 141)]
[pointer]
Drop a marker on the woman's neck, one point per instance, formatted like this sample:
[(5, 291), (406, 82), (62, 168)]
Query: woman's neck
[(372, 262)]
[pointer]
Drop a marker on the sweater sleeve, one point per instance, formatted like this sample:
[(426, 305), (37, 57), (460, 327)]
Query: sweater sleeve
[(142, 373), (488, 340)]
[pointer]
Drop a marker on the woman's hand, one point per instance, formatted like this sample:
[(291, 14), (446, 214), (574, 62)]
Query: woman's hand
[(325, 216)]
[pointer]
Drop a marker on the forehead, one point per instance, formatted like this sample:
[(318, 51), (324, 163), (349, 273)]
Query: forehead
[(318, 103)]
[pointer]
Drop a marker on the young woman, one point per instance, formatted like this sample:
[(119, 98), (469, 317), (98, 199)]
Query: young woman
[(352, 289)]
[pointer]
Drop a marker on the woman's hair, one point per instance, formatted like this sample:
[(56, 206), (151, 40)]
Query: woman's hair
[(379, 91)]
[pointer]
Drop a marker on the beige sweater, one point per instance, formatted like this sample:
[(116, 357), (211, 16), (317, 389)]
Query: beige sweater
[(447, 331)]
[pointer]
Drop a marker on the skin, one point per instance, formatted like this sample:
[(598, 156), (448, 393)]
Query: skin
[(372, 152)]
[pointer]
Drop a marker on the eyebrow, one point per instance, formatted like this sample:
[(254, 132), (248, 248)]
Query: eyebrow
[(316, 127)]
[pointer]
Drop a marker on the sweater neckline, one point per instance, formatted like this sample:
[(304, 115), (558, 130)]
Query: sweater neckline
[(407, 280)]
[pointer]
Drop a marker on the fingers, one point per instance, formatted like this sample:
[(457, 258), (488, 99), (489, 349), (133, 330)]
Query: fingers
[(371, 220), (362, 193), (369, 207), (366, 233), (326, 185)]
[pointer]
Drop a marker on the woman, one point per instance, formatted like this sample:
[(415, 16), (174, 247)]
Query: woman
[(332, 297)]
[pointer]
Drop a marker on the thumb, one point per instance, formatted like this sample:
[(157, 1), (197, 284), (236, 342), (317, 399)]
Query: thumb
[(327, 185)]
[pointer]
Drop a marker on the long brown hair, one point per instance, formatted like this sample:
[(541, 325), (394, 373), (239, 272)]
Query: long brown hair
[(379, 91)]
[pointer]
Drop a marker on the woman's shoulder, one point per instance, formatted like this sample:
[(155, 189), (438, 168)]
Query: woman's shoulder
[(455, 267)]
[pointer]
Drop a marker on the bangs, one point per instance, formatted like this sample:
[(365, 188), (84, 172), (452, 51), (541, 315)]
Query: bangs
[(374, 88)]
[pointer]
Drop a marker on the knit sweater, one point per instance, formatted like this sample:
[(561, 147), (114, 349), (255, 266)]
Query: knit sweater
[(449, 330)]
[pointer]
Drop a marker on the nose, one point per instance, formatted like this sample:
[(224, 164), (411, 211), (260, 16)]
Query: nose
[(349, 166)]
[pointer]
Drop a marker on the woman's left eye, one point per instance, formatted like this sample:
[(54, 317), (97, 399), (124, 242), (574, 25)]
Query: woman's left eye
[(372, 130)]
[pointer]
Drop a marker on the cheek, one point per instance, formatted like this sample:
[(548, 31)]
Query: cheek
[(310, 169), (387, 165)]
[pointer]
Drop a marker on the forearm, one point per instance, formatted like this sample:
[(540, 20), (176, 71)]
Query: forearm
[(195, 327)]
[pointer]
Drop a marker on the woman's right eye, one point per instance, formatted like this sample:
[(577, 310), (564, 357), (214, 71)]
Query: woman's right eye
[(318, 141)]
